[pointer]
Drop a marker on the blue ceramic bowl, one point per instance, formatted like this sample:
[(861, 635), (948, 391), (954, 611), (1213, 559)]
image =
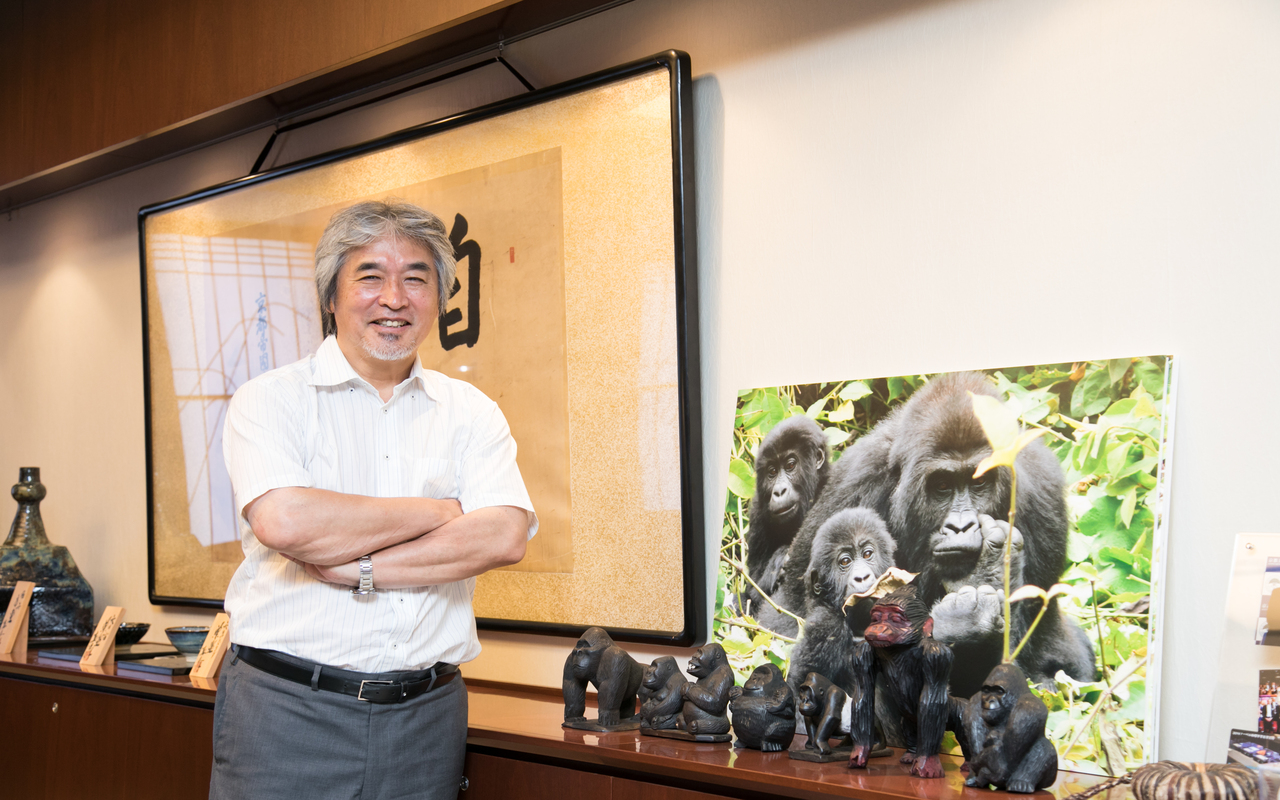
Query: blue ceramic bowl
[(131, 632), (188, 639)]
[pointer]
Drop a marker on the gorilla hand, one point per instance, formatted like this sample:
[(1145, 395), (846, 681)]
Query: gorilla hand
[(989, 571), (969, 615)]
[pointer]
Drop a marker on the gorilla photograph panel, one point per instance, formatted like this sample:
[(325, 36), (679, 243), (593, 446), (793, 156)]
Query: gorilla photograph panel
[(830, 483)]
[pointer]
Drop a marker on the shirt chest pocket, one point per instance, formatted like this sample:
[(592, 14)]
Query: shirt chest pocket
[(431, 477)]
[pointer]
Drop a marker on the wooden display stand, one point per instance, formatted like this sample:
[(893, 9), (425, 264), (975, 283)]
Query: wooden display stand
[(102, 645), (214, 648)]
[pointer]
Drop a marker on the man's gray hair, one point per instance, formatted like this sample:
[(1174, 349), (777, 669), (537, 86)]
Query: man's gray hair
[(365, 223)]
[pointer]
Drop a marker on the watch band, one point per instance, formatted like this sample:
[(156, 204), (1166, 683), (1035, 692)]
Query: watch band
[(366, 577)]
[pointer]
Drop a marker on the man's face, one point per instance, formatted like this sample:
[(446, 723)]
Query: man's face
[(385, 304)]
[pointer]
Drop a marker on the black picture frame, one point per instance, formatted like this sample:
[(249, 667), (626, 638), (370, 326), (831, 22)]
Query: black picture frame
[(694, 626)]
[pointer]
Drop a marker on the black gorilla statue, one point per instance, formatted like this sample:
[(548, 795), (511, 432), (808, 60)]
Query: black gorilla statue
[(915, 469), (1004, 731), (597, 660)]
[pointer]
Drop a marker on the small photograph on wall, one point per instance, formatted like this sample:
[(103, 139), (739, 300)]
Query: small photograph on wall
[(1269, 701), (831, 484)]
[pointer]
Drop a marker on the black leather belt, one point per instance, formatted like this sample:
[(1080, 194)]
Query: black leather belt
[(372, 687)]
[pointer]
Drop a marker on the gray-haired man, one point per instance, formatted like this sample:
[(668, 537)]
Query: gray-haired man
[(371, 491)]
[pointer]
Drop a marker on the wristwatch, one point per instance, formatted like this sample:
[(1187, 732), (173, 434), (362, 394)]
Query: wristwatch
[(366, 577)]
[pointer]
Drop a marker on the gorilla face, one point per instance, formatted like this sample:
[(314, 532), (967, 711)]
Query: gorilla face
[(764, 679), (705, 659), (657, 673), (999, 693), (957, 498), (850, 552), (792, 460), (587, 652)]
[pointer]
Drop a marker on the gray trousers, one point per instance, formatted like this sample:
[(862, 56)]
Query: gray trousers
[(273, 738)]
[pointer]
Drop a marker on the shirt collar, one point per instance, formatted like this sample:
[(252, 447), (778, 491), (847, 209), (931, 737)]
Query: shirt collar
[(329, 367)]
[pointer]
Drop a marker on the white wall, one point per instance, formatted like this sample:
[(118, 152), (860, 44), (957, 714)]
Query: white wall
[(879, 185)]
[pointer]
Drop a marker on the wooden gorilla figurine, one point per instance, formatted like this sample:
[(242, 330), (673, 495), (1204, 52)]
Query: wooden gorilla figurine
[(899, 648), (791, 468), (615, 674), (764, 710), (661, 695), (850, 553), (706, 702), (915, 469), (821, 705), (1004, 726)]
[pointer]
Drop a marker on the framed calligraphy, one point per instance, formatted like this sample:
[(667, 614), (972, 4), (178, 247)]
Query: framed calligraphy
[(570, 211)]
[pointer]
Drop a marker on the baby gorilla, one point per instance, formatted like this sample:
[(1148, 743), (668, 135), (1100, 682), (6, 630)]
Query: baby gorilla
[(850, 552)]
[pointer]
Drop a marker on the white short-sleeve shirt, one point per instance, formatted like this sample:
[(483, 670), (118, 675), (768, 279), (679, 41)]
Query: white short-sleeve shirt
[(317, 424)]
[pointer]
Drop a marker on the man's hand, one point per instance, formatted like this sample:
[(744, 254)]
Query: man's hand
[(347, 574)]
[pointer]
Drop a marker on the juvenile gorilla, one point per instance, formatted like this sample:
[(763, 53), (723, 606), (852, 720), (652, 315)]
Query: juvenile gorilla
[(850, 552), (791, 468), (661, 695), (1004, 725), (616, 675), (915, 469)]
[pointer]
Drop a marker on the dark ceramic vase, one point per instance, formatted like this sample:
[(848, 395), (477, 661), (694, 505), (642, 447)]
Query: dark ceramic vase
[(62, 603)]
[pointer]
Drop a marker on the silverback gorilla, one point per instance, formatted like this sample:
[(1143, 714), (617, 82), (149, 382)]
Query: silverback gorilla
[(790, 470), (915, 469)]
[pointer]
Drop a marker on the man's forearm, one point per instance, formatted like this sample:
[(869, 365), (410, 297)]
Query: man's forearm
[(317, 526), (473, 543)]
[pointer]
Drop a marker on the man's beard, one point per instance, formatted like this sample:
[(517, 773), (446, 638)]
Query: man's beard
[(384, 350)]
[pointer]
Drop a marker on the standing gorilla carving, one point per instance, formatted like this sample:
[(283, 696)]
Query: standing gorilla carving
[(850, 552), (915, 469), (597, 660), (791, 469)]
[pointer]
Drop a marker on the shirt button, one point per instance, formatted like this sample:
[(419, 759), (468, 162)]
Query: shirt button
[(384, 411), (386, 456)]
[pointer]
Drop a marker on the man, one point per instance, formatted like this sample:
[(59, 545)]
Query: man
[(370, 492)]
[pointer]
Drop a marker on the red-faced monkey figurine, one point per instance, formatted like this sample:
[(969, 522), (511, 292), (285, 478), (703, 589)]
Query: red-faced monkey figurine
[(900, 647)]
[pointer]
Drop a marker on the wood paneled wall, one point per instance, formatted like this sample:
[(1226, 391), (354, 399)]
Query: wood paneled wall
[(82, 76)]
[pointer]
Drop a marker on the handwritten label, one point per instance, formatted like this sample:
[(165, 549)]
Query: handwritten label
[(214, 648), (13, 631), (102, 645)]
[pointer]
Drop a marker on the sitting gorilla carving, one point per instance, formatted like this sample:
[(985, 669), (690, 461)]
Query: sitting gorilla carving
[(661, 695), (616, 675), (791, 468), (706, 702), (915, 469), (1004, 731), (850, 552)]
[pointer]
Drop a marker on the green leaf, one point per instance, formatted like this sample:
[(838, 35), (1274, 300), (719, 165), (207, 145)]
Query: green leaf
[(1101, 517), (1151, 377), (854, 390), (1079, 546), (1127, 507), (897, 388), (1091, 395), (1116, 368), (742, 479), (1116, 555), (835, 436), (842, 414), (813, 411)]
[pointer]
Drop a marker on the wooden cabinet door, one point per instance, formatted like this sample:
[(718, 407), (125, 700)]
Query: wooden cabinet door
[(494, 778)]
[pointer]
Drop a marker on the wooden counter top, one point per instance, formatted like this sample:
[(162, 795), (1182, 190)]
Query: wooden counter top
[(515, 723)]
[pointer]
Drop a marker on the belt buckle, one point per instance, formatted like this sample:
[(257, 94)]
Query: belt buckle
[(360, 694)]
